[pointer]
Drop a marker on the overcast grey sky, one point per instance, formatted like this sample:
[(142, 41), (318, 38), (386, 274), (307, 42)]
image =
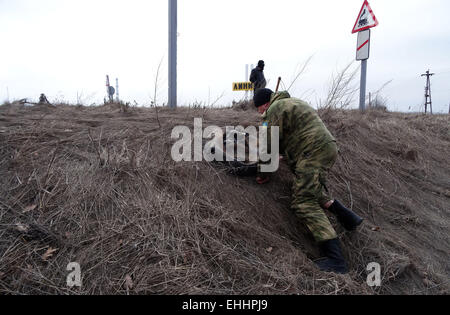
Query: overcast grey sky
[(65, 47)]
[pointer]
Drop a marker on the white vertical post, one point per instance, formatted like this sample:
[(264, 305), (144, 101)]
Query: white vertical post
[(252, 92), (173, 25), (117, 90), (246, 80), (108, 97)]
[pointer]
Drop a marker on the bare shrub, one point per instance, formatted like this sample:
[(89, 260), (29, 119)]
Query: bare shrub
[(342, 89)]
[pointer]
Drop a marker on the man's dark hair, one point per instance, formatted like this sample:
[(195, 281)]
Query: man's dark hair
[(261, 63), (262, 97)]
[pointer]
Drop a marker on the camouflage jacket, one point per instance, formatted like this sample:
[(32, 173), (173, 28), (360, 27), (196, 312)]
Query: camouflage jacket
[(301, 129)]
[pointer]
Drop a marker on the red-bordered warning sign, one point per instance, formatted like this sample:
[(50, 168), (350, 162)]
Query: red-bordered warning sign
[(366, 19), (363, 46)]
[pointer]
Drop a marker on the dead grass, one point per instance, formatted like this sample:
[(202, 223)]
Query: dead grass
[(99, 186)]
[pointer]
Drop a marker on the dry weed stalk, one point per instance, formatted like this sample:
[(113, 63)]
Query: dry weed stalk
[(342, 89)]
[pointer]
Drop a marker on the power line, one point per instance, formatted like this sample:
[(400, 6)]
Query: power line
[(444, 72), (428, 100)]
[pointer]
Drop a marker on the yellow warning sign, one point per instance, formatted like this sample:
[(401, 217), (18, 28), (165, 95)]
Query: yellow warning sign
[(243, 86)]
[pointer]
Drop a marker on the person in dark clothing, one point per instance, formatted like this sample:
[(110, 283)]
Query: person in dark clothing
[(257, 76), (43, 99)]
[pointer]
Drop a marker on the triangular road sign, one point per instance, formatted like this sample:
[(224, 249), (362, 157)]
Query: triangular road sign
[(366, 19)]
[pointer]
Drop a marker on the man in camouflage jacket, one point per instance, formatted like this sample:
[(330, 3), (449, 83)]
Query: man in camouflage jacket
[(311, 151)]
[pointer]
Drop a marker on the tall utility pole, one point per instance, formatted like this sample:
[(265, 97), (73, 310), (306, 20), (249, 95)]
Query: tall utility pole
[(428, 92), (173, 25)]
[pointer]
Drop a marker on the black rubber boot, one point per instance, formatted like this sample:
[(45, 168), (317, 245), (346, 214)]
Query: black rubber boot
[(334, 261), (347, 218)]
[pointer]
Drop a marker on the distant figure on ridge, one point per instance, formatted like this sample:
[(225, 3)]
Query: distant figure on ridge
[(257, 76), (43, 99)]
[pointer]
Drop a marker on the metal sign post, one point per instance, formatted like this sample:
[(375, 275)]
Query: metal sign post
[(362, 94), (173, 25), (363, 53), (365, 21)]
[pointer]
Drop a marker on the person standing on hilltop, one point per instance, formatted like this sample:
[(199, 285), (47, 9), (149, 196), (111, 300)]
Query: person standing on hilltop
[(311, 151), (257, 76)]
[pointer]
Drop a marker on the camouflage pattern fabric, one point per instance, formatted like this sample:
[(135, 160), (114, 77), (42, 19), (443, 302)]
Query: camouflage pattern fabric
[(311, 152), (310, 191), (301, 129)]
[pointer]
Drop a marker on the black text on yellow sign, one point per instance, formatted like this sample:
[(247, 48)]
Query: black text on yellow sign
[(243, 86)]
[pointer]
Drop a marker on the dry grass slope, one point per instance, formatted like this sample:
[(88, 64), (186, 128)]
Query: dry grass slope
[(97, 186)]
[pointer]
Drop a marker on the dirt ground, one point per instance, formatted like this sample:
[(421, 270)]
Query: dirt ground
[(97, 186)]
